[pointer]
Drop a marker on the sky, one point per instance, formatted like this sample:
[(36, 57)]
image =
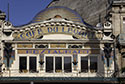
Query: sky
[(22, 11)]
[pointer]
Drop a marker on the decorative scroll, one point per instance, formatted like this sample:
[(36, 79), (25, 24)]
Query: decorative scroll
[(74, 46), (40, 31), (59, 51)]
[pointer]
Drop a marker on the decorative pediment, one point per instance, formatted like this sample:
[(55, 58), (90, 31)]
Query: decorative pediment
[(38, 30)]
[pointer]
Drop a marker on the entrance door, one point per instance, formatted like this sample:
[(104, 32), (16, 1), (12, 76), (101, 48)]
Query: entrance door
[(32, 64), (22, 64)]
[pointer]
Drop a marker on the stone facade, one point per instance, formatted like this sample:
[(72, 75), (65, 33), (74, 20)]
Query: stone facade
[(59, 34), (118, 13)]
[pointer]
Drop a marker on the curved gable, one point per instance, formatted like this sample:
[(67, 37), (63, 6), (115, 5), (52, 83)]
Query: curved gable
[(67, 28)]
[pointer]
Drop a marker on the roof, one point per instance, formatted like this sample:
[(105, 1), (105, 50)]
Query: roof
[(58, 12), (63, 12)]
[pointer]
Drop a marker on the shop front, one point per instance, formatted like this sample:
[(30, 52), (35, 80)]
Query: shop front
[(60, 46)]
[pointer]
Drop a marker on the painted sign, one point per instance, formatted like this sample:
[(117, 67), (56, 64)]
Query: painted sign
[(40, 31), (59, 51)]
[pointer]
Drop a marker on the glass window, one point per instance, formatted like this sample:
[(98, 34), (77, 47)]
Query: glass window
[(67, 64), (58, 64), (22, 64), (32, 64), (49, 64), (93, 64), (84, 64)]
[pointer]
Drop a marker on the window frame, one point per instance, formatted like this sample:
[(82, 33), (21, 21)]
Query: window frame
[(82, 55), (28, 58), (58, 55)]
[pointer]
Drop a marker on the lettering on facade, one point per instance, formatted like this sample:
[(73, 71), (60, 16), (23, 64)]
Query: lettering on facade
[(60, 51), (36, 33)]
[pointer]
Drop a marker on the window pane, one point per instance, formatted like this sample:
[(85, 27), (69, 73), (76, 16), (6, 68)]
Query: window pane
[(67, 64), (93, 64), (84, 64), (49, 64), (32, 66), (58, 64), (23, 63)]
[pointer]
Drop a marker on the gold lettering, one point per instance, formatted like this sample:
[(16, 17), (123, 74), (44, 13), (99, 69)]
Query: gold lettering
[(37, 32), (60, 51)]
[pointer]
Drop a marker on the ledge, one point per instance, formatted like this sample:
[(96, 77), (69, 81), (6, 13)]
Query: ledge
[(61, 79)]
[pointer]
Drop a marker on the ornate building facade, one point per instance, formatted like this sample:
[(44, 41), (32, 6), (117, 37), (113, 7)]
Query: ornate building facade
[(58, 45)]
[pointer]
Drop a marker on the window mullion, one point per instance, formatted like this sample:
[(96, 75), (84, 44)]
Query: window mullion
[(88, 64)]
